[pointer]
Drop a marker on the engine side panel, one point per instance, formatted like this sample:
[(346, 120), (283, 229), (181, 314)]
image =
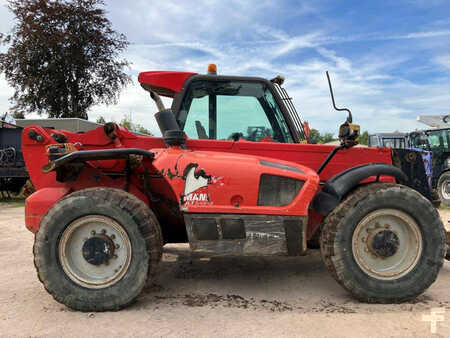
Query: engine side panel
[(210, 182)]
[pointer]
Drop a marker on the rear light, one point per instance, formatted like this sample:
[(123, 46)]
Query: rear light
[(278, 191)]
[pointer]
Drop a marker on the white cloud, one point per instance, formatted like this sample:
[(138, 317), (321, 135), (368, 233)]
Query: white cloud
[(443, 60), (247, 38)]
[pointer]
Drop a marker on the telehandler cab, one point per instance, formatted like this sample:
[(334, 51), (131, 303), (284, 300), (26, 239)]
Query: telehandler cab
[(241, 182)]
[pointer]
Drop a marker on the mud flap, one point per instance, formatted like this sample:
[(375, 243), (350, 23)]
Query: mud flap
[(233, 234)]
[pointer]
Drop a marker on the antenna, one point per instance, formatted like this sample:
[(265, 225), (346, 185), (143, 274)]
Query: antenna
[(349, 118)]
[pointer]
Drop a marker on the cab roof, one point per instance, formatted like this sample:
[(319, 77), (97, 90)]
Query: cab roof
[(164, 83)]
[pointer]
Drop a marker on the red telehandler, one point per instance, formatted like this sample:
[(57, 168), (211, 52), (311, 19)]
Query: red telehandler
[(231, 176)]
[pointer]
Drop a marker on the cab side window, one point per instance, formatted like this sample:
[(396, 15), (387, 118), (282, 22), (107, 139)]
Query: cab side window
[(232, 110), (197, 117), (241, 117)]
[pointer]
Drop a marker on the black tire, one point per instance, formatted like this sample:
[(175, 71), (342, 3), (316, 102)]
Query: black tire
[(443, 181), (132, 215), (337, 243), (314, 242)]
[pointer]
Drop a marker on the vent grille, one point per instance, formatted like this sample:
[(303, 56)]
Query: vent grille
[(277, 190)]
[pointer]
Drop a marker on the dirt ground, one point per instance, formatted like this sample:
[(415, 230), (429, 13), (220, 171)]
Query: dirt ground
[(268, 296)]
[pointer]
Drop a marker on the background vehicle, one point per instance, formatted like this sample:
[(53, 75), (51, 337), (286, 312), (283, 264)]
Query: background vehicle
[(389, 140), (240, 184), (13, 174), (406, 146), (437, 141)]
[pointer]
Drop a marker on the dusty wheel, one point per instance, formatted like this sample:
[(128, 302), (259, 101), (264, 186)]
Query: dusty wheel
[(443, 188), (384, 243), (96, 249), (447, 256)]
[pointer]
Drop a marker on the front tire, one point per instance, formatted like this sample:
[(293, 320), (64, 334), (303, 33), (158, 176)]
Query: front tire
[(443, 188), (96, 249), (385, 243)]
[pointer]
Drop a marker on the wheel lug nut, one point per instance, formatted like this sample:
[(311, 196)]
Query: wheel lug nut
[(93, 232), (113, 236), (103, 231), (117, 246)]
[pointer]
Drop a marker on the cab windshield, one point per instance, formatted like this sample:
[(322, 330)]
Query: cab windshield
[(435, 140)]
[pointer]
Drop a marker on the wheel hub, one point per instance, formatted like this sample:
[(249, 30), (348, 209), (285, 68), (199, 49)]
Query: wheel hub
[(447, 187), (95, 251), (387, 244), (384, 243), (98, 250)]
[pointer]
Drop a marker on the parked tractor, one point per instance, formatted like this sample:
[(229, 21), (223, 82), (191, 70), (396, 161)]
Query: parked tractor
[(409, 145), (13, 174), (434, 146), (436, 141), (230, 176)]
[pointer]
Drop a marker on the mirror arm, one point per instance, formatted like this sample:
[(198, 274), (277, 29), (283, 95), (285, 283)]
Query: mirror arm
[(349, 118)]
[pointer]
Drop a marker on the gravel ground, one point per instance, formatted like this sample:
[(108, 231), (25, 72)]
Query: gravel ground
[(248, 296)]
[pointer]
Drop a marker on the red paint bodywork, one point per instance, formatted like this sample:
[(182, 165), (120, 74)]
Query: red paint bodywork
[(39, 203), (171, 82), (236, 175)]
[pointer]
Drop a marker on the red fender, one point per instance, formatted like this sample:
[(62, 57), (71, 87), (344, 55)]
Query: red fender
[(38, 204)]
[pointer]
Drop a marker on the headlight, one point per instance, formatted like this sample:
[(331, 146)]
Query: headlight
[(277, 190)]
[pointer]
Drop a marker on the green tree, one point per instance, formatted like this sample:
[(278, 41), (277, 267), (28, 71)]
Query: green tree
[(314, 136), (134, 127), (62, 57), (126, 122), (18, 115), (143, 130), (364, 138), (327, 137), (100, 120)]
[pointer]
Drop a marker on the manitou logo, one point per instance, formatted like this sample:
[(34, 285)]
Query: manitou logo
[(195, 198)]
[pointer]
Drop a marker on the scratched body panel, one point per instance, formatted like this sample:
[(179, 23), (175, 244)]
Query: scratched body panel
[(263, 235)]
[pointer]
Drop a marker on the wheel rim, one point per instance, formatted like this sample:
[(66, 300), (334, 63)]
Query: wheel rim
[(387, 244), (445, 189), (95, 251)]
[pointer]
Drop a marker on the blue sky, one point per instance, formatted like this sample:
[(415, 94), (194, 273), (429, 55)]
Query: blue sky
[(389, 60)]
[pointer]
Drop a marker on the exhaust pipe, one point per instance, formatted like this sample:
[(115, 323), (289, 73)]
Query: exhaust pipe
[(155, 97), (167, 123)]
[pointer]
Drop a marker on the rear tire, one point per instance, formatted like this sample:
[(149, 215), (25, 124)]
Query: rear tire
[(443, 182), (385, 243), (97, 248)]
